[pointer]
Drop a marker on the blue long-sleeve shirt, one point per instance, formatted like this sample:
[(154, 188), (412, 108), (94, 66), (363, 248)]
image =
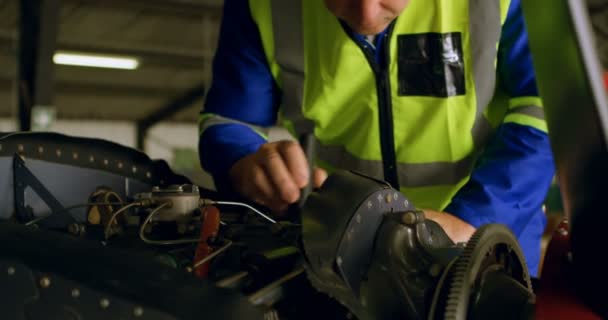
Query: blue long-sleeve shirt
[(507, 186)]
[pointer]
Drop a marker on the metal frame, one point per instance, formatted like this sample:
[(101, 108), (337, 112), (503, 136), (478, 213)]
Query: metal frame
[(171, 108), (37, 42)]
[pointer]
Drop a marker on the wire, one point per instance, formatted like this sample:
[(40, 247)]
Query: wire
[(257, 297), (213, 254), (240, 204), (119, 211), (66, 209), (143, 237)]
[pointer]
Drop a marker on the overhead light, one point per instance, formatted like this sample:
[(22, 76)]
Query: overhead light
[(95, 60)]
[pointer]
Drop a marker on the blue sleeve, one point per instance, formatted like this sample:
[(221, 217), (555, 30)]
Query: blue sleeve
[(242, 88), (513, 175)]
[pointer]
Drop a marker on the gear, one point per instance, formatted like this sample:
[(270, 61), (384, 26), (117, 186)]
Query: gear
[(492, 265)]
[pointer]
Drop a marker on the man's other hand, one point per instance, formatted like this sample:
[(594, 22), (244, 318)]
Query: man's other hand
[(274, 175), (454, 227)]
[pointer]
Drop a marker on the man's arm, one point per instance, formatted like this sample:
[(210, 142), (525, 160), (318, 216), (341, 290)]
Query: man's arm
[(511, 179), (242, 99), (242, 89)]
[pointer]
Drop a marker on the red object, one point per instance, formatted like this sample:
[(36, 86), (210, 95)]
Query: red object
[(210, 219), (556, 297), (606, 79)]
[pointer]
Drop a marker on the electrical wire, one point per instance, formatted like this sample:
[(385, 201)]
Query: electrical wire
[(240, 204), (66, 209), (106, 232), (212, 255), (143, 237)]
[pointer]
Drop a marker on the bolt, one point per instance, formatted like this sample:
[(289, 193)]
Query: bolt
[(10, 271), (45, 282), (406, 203), (40, 149), (58, 152), (120, 165), (370, 204), (91, 159), (389, 198), (395, 196), (409, 218), (134, 169), (105, 162), (435, 270), (104, 303), (148, 175), (75, 293), (138, 311), (74, 155), (75, 229)]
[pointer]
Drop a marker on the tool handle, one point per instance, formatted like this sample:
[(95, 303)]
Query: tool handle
[(307, 142)]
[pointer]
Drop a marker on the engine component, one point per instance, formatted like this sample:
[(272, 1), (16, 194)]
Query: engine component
[(184, 201), (489, 280), (210, 219), (371, 250)]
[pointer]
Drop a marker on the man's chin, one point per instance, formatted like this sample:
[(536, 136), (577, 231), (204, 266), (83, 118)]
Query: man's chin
[(369, 30)]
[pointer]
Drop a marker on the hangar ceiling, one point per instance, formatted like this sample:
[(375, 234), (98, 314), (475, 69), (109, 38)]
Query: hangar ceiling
[(175, 40)]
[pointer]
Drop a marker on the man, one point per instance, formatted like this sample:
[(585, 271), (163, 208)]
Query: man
[(412, 92)]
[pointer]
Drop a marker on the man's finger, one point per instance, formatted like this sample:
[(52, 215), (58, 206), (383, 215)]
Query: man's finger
[(296, 162), (280, 177), (320, 176)]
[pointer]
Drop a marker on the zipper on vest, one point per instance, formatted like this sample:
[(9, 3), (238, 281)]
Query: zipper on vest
[(385, 108)]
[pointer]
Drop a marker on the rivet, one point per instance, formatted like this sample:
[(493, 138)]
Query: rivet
[(339, 261), (104, 303), (379, 198), (45, 282), (40, 149), (20, 148), (91, 159), (435, 270), (10, 271), (369, 204), (389, 198), (75, 293), (406, 203), (119, 165), (358, 218), (58, 152), (105, 162), (148, 175), (138, 311), (395, 196), (134, 169), (74, 155), (409, 218)]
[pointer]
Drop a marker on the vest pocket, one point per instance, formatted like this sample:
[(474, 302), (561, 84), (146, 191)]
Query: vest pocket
[(430, 64)]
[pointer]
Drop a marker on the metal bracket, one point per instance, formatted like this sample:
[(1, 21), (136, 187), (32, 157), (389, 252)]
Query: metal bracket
[(24, 178)]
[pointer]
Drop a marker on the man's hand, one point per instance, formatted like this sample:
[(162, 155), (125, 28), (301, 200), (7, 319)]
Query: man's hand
[(274, 175), (454, 227)]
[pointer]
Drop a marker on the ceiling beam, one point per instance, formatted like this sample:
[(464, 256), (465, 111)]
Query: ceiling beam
[(150, 55), (165, 7)]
